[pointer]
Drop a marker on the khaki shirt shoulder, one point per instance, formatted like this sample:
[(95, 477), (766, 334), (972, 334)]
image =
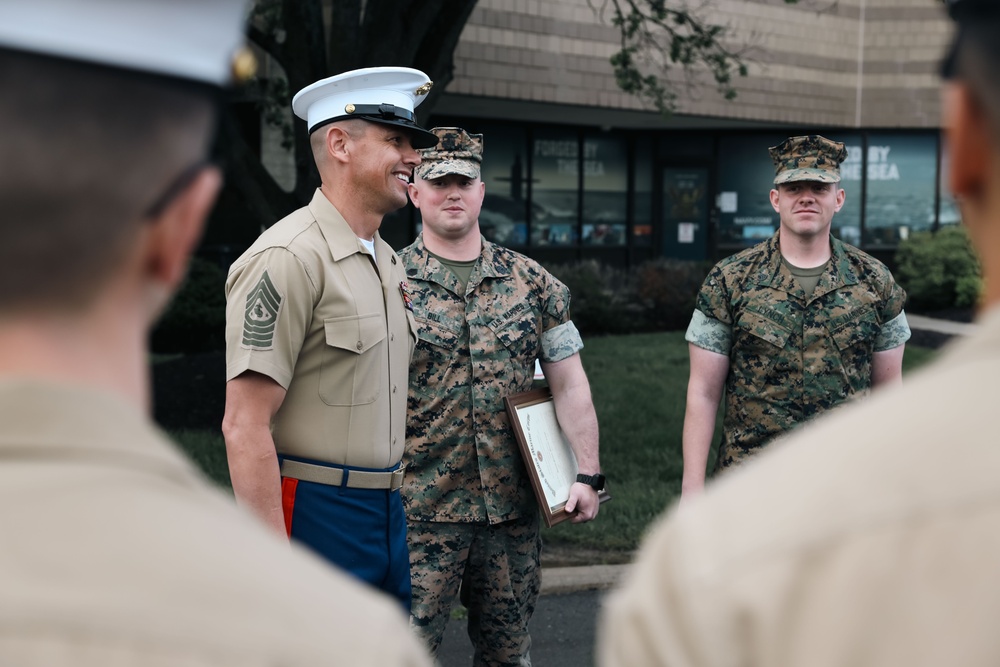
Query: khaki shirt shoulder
[(870, 537), (124, 555), (309, 308)]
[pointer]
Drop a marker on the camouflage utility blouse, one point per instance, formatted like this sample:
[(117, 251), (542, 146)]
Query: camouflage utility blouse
[(793, 357), (475, 347)]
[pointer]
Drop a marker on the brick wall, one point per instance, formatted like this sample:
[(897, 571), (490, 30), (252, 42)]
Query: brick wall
[(825, 62)]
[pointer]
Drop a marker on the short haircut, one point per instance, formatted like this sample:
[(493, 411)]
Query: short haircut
[(975, 60), (85, 151), (354, 127)]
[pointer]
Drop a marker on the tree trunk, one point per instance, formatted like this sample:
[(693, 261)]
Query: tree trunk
[(421, 34)]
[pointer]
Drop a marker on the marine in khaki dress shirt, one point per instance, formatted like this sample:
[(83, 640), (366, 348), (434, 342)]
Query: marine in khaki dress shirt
[(308, 307)]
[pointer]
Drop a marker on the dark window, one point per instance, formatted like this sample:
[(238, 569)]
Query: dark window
[(505, 173), (746, 176), (555, 188), (900, 192), (642, 202), (605, 190), (847, 222)]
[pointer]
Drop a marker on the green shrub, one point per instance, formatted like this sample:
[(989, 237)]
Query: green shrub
[(939, 270), (196, 319), (603, 297), (968, 290), (667, 290), (656, 296)]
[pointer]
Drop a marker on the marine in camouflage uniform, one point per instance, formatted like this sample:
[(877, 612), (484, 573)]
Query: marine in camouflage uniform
[(484, 315), (795, 346)]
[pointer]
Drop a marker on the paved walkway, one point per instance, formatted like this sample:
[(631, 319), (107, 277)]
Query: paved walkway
[(559, 580), (562, 632)]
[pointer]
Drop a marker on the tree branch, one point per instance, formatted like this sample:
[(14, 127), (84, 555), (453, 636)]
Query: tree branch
[(656, 37)]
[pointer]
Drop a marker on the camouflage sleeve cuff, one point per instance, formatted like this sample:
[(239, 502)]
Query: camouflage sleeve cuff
[(561, 342), (894, 333), (709, 334)]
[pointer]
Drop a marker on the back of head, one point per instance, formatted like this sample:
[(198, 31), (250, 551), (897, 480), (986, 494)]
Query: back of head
[(106, 105), (975, 53), (88, 152)]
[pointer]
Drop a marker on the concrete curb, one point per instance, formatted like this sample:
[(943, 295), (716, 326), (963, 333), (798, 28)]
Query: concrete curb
[(558, 580)]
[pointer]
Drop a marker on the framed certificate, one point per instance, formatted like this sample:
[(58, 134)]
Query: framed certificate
[(546, 452)]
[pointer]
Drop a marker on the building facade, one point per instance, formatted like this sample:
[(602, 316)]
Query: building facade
[(575, 168)]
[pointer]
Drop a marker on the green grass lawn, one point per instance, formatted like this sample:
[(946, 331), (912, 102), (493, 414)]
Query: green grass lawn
[(639, 384)]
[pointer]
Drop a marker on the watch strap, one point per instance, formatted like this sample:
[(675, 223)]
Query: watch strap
[(596, 482)]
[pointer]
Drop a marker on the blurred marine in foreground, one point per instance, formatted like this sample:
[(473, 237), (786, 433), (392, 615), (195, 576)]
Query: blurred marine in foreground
[(116, 550), (873, 536)]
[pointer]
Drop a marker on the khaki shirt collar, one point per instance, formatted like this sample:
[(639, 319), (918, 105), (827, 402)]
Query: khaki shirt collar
[(338, 234), (982, 343), (342, 240)]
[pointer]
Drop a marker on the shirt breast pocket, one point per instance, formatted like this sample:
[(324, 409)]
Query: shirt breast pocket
[(860, 329), (520, 337), (855, 339), (759, 344), (433, 358), (352, 366)]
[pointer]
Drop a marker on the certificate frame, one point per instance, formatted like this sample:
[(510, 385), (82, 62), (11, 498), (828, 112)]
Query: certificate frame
[(546, 452)]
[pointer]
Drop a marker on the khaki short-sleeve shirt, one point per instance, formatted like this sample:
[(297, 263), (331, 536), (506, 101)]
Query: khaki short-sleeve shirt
[(118, 552), (870, 537), (309, 307)]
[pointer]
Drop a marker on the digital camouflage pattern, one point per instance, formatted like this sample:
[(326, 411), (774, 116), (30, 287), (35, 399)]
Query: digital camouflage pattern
[(476, 347), (457, 152), (793, 358), (807, 158), (500, 588)]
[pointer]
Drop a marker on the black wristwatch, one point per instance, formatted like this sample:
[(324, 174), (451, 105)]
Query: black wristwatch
[(594, 481)]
